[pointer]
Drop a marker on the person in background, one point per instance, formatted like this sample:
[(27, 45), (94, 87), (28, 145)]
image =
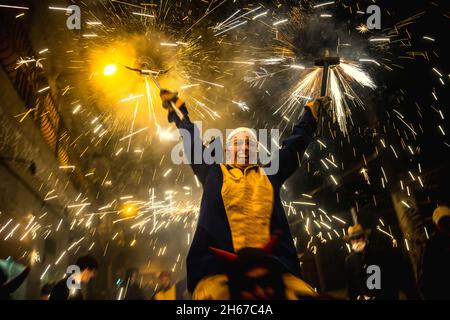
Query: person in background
[(88, 266), (133, 291), (434, 279), (45, 291), (165, 290), (394, 272)]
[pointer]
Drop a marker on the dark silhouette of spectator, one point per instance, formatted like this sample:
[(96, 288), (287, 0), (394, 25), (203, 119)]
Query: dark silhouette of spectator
[(434, 279), (46, 290), (395, 273), (133, 291), (88, 266)]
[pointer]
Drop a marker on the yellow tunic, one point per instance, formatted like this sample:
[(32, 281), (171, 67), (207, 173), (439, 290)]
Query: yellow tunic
[(169, 294), (248, 200), (216, 288)]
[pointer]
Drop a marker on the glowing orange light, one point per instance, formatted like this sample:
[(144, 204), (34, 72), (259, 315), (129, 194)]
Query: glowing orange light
[(110, 70)]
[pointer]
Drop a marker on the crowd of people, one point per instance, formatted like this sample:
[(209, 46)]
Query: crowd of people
[(396, 274)]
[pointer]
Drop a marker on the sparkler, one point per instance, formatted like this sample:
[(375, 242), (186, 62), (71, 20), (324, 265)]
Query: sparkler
[(13, 7), (323, 4)]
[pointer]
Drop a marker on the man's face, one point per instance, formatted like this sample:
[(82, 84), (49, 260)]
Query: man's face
[(241, 149)]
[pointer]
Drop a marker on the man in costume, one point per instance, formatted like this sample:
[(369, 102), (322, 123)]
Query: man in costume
[(241, 206)]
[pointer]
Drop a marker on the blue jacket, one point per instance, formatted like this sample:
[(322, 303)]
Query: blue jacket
[(213, 228)]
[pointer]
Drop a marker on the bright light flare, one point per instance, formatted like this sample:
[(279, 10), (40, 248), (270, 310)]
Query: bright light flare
[(110, 70)]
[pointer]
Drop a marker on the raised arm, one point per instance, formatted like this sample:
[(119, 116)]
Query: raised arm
[(294, 146), (192, 144)]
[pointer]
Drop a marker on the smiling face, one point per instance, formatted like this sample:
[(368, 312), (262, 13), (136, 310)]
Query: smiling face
[(241, 149)]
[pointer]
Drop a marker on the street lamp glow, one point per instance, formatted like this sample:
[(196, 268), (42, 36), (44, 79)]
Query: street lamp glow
[(110, 70)]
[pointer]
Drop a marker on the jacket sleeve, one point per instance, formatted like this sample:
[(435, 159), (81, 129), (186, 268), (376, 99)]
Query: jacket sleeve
[(192, 143), (295, 145)]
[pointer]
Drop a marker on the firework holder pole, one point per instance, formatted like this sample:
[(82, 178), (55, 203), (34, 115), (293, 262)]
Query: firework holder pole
[(174, 107), (326, 63), (156, 82)]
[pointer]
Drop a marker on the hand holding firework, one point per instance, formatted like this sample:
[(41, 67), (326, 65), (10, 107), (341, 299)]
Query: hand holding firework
[(168, 98), (171, 101), (315, 106)]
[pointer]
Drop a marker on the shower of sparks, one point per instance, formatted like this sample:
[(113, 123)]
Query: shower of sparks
[(340, 90), (306, 88)]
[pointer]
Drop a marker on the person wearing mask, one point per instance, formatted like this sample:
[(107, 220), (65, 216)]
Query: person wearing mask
[(375, 270)]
